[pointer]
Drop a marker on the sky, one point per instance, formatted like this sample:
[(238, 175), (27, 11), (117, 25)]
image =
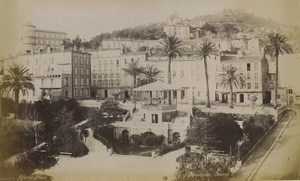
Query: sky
[(91, 17)]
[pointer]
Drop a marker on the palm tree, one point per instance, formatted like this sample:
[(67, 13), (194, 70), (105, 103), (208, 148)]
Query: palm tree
[(134, 70), (170, 47), (231, 78), (15, 81), (204, 51), (151, 74), (277, 43)]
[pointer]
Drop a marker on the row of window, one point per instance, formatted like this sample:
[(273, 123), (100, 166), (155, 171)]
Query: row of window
[(48, 42), (81, 60), (81, 92), (107, 83), (106, 75), (255, 76), (83, 71), (113, 63), (82, 82), (50, 35), (249, 85), (53, 75)]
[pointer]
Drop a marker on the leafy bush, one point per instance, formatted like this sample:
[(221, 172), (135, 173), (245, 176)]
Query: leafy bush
[(136, 139), (14, 140), (105, 132), (255, 127), (8, 106), (219, 131), (245, 148), (79, 149), (26, 164), (150, 139), (68, 141)]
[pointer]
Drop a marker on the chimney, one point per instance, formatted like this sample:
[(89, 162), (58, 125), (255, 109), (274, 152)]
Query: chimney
[(75, 48)]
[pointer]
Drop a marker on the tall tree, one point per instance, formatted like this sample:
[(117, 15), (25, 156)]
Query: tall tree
[(171, 48), (151, 74), (15, 81), (231, 78), (277, 44), (204, 51), (134, 70)]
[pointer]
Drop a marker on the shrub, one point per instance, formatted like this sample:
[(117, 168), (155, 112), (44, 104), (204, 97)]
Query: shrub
[(9, 106), (26, 164), (136, 139), (150, 139), (79, 149), (255, 127), (105, 132), (68, 141), (244, 149)]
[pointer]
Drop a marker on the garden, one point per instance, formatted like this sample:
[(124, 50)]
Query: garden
[(46, 130), (220, 133)]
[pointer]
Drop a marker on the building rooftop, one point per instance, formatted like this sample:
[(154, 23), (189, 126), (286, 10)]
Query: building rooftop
[(235, 58), (29, 23), (50, 31)]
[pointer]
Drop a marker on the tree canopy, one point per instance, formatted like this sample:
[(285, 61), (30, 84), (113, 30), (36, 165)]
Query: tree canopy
[(216, 131)]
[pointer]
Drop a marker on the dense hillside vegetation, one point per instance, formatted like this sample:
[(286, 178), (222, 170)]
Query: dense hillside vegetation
[(223, 24)]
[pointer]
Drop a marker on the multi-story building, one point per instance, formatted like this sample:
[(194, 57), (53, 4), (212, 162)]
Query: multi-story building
[(108, 77), (178, 27), (254, 67), (180, 31), (188, 71), (55, 74), (33, 38)]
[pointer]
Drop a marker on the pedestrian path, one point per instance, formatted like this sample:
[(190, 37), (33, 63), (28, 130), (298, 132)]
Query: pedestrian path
[(254, 160)]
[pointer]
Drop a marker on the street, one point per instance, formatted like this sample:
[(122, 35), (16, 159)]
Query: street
[(282, 162)]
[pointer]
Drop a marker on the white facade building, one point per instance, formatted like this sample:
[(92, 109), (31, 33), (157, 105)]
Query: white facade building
[(55, 74)]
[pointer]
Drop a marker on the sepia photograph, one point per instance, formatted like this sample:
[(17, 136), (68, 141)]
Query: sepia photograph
[(149, 90)]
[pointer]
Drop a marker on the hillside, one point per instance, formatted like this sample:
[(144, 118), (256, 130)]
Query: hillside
[(224, 24), (247, 22)]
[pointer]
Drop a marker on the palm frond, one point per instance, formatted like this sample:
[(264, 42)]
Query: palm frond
[(230, 77), (16, 80)]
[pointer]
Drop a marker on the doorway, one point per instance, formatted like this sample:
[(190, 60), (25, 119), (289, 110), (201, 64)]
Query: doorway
[(126, 94), (242, 98), (268, 97), (224, 98), (105, 93)]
